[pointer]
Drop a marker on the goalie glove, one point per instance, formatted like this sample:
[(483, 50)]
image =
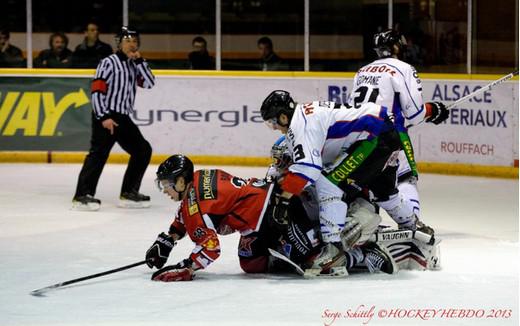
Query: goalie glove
[(281, 210), (436, 112), (182, 271), (158, 253), (362, 222)]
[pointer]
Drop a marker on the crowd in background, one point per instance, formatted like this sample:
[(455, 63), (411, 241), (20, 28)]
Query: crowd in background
[(87, 54), (91, 50)]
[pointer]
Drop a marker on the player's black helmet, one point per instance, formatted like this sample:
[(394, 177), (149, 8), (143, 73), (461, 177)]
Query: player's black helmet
[(276, 103), (126, 32), (175, 166), (384, 43)]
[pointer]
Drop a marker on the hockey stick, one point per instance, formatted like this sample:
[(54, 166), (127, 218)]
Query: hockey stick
[(40, 292), (483, 89), (278, 255)]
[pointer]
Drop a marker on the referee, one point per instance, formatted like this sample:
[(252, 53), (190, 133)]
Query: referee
[(113, 96)]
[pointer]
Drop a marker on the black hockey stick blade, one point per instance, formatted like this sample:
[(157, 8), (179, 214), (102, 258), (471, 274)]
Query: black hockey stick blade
[(278, 255), (41, 292)]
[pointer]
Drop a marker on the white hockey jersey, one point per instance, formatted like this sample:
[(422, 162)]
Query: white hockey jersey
[(320, 132), (387, 80)]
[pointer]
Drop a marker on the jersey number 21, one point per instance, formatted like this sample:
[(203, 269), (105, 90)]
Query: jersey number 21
[(363, 91)]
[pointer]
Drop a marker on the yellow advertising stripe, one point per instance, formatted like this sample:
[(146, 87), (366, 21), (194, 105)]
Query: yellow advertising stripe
[(469, 169), (24, 72), (121, 158), (36, 72), (24, 157)]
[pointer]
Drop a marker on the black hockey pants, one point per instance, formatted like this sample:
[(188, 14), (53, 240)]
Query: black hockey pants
[(128, 136), (365, 167)]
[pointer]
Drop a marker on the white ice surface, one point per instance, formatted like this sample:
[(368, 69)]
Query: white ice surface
[(43, 242)]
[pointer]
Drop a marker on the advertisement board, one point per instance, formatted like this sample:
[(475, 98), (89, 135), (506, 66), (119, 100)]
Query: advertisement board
[(44, 113), (219, 115)]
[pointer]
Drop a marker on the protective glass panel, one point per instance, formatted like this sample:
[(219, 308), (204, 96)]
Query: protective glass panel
[(176, 34), (495, 36), (13, 45), (436, 33), (74, 35), (336, 34), (262, 35)]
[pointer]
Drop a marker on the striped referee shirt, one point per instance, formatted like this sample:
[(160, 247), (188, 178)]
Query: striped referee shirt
[(115, 84)]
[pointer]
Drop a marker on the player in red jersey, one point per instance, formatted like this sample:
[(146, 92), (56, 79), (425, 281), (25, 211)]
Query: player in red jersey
[(214, 202)]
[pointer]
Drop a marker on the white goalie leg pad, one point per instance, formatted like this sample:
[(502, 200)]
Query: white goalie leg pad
[(411, 249), (333, 210), (399, 210), (362, 222)]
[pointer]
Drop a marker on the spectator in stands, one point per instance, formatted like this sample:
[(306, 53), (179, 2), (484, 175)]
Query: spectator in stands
[(269, 60), (10, 55), (199, 57), (413, 54), (91, 50), (58, 56)]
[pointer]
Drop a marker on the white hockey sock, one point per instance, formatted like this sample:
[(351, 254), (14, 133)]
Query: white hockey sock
[(333, 214), (410, 193), (400, 210)]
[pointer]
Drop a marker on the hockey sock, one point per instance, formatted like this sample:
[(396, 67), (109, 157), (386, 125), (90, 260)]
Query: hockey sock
[(410, 193), (400, 210), (332, 218)]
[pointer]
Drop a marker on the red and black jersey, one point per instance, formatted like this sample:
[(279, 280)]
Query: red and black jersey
[(219, 203)]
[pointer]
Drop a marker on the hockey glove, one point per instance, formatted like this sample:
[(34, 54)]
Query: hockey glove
[(158, 253), (178, 272), (438, 112), (281, 210)]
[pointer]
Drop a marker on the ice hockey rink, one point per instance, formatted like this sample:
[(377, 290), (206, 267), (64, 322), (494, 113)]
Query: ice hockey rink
[(43, 242)]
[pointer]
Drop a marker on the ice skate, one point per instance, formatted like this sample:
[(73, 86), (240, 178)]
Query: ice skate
[(85, 203), (417, 225), (330, 262), (134, 200), (378, 259)]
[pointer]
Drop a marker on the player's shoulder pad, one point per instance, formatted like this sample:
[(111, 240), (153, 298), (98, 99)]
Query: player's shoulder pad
[(404, 67)]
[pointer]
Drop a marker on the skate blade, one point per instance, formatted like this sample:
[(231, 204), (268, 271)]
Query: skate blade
[(90, 207), (334, 272), (133, 204)]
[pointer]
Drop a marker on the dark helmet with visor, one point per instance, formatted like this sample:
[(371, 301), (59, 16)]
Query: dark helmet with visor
[(174, 167), (384, 43), (276, 103)]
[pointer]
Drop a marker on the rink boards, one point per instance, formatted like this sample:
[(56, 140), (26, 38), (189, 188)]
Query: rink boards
[(215, 116)]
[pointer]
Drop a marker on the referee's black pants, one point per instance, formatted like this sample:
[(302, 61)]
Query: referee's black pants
[(128, 136)]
